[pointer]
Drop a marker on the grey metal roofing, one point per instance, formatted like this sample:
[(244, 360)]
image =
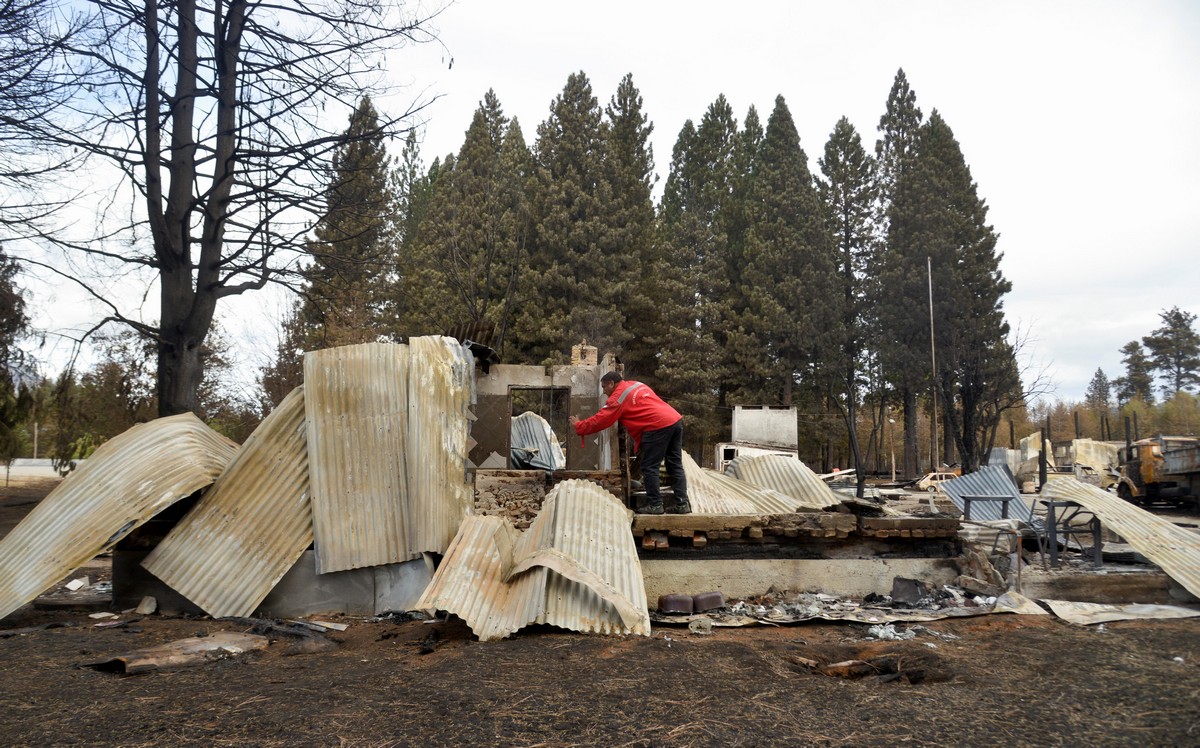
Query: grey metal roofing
[(387, 445), (249, 529), (787, 475), (992, 480), (1175, 550), (532, 433), (575, 567), (710, 492), (128, 480)]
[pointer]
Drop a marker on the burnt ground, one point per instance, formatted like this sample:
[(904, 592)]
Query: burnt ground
[(1004, 680)]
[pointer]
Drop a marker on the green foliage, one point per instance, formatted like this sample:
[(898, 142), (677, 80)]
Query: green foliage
[(344, 288), (1175, 350), (789, 269), (1138, 382), (462, 265), (938, 224), (847, 190), (1099, 392), (579, 274)]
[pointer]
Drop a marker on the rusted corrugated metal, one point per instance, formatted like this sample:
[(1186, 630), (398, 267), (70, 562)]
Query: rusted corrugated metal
[(710, 492), (250, 527), (355, 402), (786, 475), (1175, 550), (387, 445), (576, 567), (127, 481), (441, 380)]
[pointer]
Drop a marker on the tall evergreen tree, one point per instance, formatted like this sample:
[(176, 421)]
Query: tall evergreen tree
[(897, 288), (344, 288), (16, 377), (630, 167), (1175, 350), (1138, 382), (847, 189), (577, 276), (1099, 392), (466, 255), (693, 219), (789, 263), (938, 217)]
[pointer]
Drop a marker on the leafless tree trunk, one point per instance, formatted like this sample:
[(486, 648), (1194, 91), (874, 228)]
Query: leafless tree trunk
[(219, 115)]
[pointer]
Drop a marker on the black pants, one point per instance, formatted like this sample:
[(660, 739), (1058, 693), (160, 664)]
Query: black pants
[(658, 445)]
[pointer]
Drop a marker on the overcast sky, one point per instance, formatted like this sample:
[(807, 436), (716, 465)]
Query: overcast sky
[(1080, 121)]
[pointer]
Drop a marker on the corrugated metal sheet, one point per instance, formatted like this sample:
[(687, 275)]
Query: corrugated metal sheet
[(1175, 550), (127, 481), (993, 480), (441, 381), (710, 492), (387, 444), (249, 528), (532, 433), (576, 567), (355, 402), (788, 476)]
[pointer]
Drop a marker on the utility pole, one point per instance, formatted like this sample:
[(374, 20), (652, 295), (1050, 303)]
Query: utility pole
[(933, 440)]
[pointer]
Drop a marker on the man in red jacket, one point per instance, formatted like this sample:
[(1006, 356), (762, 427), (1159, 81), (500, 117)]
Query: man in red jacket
[(657, 432)]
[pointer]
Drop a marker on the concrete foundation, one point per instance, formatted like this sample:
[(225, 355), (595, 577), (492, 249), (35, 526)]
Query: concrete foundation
[(742, 578), (301, 592), (1112, 585)]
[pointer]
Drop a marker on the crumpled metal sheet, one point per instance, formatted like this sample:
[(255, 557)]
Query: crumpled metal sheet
[(1089, 613), (710, 492), (532, 434), (1175, 550), (128, 480), (576, 567), (785, 475), (235, 545), (387, 443)]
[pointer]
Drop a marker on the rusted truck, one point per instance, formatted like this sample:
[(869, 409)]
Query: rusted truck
[(1161, 469)]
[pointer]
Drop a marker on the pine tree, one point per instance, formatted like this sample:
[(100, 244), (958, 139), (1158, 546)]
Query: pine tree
[(1099, 392), (847, 192), (1138, 382), (789, 266), (896, 286), (631, 177), (344, 293), (464, 258), (1175, 350), (577, 276), (937, 216), (693, 219)]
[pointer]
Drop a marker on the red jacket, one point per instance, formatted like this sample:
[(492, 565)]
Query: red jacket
[(638, 409)]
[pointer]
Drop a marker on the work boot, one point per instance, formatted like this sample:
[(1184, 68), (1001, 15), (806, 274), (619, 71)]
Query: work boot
[(652, 507), (680, 507)]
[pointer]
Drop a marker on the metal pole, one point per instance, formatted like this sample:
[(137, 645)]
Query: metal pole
[(933, 445)]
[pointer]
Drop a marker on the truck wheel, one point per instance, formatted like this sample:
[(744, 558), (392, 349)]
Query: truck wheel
[(1124, 492)]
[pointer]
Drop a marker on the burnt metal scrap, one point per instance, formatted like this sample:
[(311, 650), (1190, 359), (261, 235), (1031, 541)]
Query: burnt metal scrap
[(576, 567)]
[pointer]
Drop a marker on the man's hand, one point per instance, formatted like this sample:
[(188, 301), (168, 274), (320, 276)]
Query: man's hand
[(574, 420)]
